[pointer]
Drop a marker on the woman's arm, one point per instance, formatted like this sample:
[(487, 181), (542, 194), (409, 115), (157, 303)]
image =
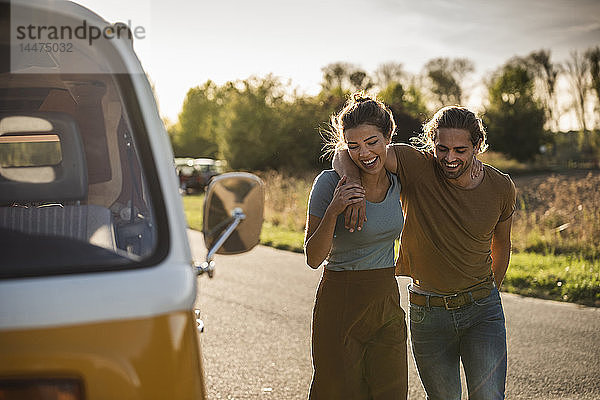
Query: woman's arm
[(318, 237)]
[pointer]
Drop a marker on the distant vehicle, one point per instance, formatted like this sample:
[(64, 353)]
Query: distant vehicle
[(195, 173)]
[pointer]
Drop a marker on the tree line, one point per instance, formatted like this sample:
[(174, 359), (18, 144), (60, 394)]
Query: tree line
[(260, 123)]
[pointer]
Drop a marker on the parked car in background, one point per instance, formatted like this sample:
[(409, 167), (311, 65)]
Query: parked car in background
[(195, 173)]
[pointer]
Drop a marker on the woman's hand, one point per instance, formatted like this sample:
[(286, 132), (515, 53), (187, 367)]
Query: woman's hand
[(344, 195)]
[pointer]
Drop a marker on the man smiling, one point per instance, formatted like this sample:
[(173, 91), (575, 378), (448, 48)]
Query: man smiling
[(456, 247)]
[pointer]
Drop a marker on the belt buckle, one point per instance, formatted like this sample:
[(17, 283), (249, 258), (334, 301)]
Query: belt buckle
[(446, 302)]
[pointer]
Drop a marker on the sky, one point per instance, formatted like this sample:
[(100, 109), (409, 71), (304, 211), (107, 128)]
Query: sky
[(188, 42)]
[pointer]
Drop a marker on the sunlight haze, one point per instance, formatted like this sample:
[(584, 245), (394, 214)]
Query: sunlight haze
[(188, 43)]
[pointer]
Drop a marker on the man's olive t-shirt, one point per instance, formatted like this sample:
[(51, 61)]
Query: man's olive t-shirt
[(446, 243)]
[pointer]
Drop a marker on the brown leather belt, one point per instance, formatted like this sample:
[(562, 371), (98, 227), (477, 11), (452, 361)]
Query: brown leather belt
[(451, 302)]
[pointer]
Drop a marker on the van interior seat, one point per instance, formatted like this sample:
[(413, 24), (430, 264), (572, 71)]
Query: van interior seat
[(53, 207), (89, 223)]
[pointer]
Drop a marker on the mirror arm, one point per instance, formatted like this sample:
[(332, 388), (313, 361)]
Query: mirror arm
[(208, 266)]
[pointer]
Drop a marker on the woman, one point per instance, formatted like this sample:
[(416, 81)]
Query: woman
[(359, 329)]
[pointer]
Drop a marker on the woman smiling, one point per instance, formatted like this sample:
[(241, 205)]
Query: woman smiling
[(359, 328)]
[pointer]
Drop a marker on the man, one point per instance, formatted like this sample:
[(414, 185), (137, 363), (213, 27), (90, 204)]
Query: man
[(456, 247)]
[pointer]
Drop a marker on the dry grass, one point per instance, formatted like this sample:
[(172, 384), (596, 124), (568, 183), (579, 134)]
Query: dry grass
[(502, 162), (286, 199), (558, 214)]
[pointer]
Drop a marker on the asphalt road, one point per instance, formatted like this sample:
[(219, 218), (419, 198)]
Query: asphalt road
[(256, 345)]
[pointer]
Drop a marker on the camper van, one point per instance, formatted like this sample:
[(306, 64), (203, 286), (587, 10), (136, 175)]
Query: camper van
[(97, 282)]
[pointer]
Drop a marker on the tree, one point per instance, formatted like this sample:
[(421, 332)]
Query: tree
[(593, 58), (263, 128), (577, 68), (388, 73), (250, 126), (515, 120), (359, 80), (546, 74), (589, 141), (446, 78), (408, 109), (346, 76), (301, 144), (335, 74), (328, 103), (196, 133)]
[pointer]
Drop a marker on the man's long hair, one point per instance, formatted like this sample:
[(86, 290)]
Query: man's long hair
[(456, 117)]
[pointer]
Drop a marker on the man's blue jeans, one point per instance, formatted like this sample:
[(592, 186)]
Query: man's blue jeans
[(475, 334)]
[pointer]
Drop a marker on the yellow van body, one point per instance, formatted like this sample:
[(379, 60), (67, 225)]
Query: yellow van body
[(138, 358)]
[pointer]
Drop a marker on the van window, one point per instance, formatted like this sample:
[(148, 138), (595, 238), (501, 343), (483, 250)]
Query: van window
[(74, 194), (78, 185)]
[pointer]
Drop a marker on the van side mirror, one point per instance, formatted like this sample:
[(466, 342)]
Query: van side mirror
[(233, 215)]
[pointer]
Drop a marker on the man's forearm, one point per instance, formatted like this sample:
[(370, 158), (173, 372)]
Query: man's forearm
[(354, 216), (343, 165)]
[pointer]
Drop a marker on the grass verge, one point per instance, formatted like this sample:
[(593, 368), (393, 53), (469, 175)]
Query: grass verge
[(193, 205), (281, 238), (556, 277)]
